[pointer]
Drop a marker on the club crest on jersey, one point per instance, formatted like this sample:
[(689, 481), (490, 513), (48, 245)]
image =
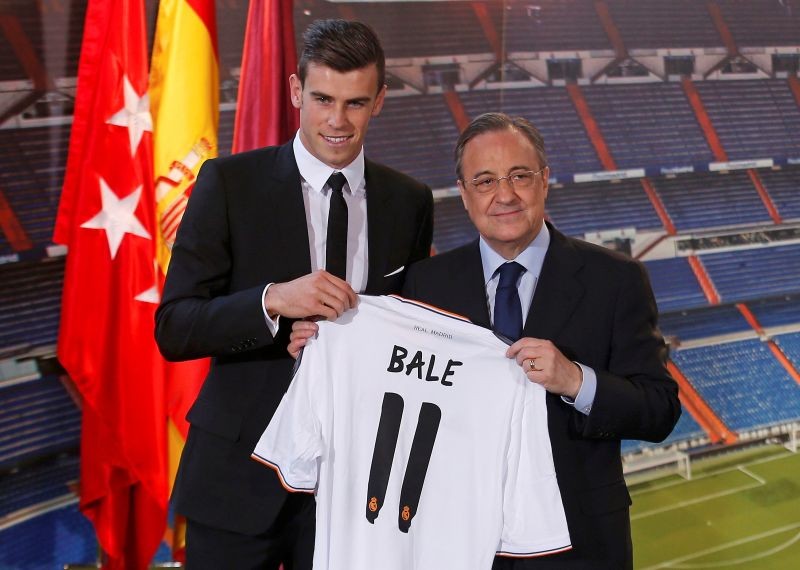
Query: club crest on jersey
[(418, 362), (405, 514), (373, 504)]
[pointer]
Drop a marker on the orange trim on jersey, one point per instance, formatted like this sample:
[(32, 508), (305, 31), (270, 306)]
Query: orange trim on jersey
[(535, 554), (433, 308), (277, 469)]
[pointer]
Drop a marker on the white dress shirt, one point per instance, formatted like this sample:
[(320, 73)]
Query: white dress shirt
[(532, 258), (314, 175)]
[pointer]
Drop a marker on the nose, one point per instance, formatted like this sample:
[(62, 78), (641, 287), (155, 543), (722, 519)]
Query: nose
[(337, 118), (505, 192)]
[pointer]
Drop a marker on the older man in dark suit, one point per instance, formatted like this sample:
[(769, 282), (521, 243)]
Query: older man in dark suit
[(584, 324), (290, 231)]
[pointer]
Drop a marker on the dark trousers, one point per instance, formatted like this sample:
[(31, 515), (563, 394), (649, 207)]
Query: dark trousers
[(290, 541)]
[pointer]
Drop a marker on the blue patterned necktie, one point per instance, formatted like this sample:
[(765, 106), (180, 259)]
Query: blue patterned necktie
[(507, 307)]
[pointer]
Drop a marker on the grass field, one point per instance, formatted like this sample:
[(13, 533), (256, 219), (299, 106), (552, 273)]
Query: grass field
[(739, 511)]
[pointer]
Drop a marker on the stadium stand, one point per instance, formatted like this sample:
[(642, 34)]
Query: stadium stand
[(675, 285), (50, 540), (595, 206), (32, 165), (653, 24), (549, 26), (647, 123), (755, 118), (37, 418), (703, 323), (789, 343), (743, 382), (29, 303), (451, 226), (784, 187), (711, 200), (755, 273), (777, 311), (51, 478), (432, 128), (402, 34), (763, 23)]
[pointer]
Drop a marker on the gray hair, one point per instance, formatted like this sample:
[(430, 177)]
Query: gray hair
[(491, 122)]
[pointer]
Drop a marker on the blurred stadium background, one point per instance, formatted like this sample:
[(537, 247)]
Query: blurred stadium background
[(673, 134)]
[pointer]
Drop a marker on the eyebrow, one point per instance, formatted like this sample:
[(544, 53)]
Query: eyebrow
[(354, 100), (512, 169)]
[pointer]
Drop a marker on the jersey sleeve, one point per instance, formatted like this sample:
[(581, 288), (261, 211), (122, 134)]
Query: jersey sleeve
[(292, 442), (534, 523)]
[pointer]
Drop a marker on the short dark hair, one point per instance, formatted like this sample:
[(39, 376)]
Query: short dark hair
[(342, 45), (490, 122)]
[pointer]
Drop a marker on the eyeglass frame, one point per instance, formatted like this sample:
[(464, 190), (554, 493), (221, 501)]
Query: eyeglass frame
[(497, 180)]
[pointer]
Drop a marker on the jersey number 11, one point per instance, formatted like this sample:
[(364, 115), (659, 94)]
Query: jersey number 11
[(418, 458)]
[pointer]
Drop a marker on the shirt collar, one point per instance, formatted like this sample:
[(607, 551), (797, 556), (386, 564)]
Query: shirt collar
[(531, 258), (316, 173)]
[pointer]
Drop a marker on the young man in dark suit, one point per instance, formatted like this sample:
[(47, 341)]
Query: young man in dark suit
[(257, 243), (583, 320)]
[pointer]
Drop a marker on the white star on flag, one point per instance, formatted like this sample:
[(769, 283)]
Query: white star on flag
[(134, 115), (117, 217), (151, 295)]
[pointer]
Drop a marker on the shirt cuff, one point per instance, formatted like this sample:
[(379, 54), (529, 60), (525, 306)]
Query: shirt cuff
[(585, 399), (272, 324)]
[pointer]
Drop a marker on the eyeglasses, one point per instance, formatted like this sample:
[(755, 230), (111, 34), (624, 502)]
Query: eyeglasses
[(520, 180)]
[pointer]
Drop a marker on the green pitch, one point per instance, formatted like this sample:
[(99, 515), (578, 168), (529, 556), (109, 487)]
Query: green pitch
[(739, 511)]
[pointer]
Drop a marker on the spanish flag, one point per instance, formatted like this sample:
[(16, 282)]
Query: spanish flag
[(184, 90)]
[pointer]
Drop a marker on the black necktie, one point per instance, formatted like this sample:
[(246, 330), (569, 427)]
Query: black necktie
[(507, 308), (336, 252)]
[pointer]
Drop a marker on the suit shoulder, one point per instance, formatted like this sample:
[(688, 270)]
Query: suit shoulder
[(605, 259), (245, 159), (444, 262), (395, 177)]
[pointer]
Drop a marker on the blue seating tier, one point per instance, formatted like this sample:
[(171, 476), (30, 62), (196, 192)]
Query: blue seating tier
[(755, 273), (703, 322), (675, 285), (742, 382)]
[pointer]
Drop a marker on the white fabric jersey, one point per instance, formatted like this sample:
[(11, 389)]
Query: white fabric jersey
[(407, 424)]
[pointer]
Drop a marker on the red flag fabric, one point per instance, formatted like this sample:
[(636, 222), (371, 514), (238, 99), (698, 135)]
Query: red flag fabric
[(107, 219), (264, 112)]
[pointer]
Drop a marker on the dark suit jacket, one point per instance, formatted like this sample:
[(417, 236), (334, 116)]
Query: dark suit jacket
[(597, 307), (244, 227)]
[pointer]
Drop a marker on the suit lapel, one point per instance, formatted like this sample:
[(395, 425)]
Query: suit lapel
[(467, 291), (289, 213), (558, 291), (380, 227)]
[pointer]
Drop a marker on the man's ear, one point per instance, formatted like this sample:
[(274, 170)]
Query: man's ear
[(376, 108), (462, 191), (296, 90)]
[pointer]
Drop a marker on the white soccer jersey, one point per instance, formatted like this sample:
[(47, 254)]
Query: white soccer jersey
[(407, 424)]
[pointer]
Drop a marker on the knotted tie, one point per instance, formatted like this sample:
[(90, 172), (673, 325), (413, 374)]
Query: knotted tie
[(336, 249), (507, 307)]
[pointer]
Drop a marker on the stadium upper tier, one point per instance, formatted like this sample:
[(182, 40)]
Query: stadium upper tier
[(650, 126), (430, 29)]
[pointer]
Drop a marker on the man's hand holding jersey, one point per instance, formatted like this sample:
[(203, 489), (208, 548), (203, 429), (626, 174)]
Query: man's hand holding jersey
[(316, 294)]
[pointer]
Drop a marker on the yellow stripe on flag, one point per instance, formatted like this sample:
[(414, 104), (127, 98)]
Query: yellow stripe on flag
[(184, 90)]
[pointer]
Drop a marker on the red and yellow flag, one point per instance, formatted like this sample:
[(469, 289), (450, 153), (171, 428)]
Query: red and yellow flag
[(107, 219), (264, 112), (184, 87)]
